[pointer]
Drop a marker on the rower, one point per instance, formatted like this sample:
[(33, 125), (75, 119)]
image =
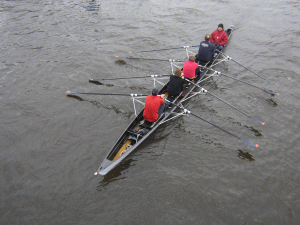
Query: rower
[(154, 106), (219, 37), (206, 51), (190, 68), (175, 85)]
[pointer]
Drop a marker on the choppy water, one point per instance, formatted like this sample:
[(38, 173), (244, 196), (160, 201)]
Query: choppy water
[(188, 172)]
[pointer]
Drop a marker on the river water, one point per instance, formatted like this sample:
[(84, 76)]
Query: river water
[(189, 172)]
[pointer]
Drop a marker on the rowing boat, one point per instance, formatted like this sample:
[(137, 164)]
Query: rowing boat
[(139, 130)]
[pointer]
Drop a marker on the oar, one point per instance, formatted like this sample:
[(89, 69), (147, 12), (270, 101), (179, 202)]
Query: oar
[(81, 93), (228, 57), (123, 78), (164, 49), (169, 60), (189, 112), (268, 91), (206, 91)]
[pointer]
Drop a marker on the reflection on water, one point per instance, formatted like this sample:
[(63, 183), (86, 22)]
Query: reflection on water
[(93, 6), (114, 174), (95, 103), (120, 62), (272, 102), (256, 132), (97, 82), (245, 155), (76, 97), (100, 105)]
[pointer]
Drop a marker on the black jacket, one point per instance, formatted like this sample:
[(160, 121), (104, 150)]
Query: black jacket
[(175, 86)]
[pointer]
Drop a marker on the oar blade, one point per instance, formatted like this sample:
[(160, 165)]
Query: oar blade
[(72, 93), (272, 92), (249, 143), (257, 121)]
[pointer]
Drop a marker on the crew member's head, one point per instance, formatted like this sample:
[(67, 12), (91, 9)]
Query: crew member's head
[(155, 91), (207, 37), (192, 58), (177, 72), (220, 27)]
